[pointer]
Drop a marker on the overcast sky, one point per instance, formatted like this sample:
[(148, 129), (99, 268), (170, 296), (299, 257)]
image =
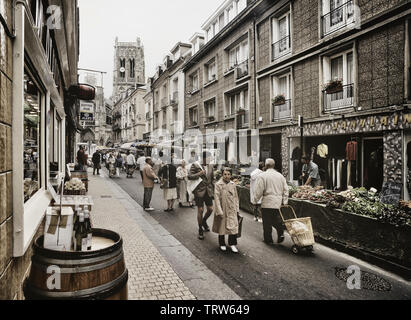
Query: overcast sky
[(159, 23)]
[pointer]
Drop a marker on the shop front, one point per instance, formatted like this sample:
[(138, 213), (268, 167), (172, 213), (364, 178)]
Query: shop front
[(359, 152)]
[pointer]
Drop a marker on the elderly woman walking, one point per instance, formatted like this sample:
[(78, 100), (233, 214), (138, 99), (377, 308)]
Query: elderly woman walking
[(226, 211), (182, 177)]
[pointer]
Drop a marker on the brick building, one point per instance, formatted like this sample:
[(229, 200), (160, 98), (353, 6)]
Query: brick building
[(340, 66), (343, 67), (38, 64)]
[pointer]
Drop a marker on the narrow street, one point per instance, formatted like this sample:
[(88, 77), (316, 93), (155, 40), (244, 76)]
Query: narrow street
[(269, 272)]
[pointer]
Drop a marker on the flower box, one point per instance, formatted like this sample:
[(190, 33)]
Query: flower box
[(334, 87), (279, 100)]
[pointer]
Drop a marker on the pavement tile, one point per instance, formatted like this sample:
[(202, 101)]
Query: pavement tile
[(150, 275)]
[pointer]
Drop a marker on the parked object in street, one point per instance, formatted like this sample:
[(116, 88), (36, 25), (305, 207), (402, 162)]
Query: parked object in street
[(99, 274), (300, 231)]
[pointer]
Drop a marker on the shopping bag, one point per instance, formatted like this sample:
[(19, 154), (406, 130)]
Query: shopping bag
[(240, 225)]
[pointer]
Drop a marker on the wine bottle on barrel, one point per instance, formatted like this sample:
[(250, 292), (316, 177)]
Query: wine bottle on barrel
[(87, 223), (81, 235)]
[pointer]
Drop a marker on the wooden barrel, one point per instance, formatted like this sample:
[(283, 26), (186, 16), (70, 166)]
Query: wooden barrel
[(99, 274)]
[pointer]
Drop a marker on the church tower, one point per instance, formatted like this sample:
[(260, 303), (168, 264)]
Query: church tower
[(129, 67)]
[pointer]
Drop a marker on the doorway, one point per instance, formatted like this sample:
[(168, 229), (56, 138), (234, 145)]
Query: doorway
[(373, 163)]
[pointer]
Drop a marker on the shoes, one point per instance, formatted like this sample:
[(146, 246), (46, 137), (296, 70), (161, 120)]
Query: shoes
[(234, 249), (205, 226), (200, 234), (149, 209), (280, 238), (256, 219), (223, 248), (166, 210)]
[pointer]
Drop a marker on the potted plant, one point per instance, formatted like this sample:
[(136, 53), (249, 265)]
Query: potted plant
[(279, 100), (334, 86), (194, 123), (211, 119)]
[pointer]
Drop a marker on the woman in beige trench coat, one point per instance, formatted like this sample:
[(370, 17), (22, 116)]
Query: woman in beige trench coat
[(226, 211)]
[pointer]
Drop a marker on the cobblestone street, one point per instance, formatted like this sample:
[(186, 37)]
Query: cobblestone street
[(150, 276)]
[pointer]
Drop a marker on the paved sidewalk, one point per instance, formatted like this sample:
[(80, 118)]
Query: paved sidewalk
[(150, 276)]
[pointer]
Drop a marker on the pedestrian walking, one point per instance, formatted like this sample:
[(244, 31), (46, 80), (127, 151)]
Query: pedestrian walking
[(131, 163), (118, 164), (201, 179), (82, 158), (227, 208), (141, 162), (168, 178), (96, 162), (148, 182), (182, 192), (272, 187), (253, 179)]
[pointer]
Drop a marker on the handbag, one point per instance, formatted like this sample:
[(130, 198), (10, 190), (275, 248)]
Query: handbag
[(240, 225), (165, 182)]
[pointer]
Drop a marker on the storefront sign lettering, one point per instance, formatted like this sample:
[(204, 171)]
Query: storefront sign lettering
[(407, 118), (362, 123), (372, 122), (384, 121), (353, 124)]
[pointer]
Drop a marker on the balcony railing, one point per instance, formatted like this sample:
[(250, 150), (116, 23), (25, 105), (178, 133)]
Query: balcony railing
[(243, 119), (281, 111), (340, 100), (338, 18), (281, 48), (242, 69)]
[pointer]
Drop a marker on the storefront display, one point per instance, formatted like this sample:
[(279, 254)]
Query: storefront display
[(32, 144)]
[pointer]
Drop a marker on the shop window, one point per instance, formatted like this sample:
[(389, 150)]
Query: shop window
[(338, 88), (32, 142), (193, 116), (336, 15), (281, 40), (211, 70), (209, 110), (281, 102)]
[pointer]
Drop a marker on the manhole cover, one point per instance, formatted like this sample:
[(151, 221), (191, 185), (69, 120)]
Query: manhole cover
[(106, 197), (369, 281)]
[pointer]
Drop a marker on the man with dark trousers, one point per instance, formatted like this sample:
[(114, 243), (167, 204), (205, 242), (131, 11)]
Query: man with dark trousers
[(272, 187), (204, 192)]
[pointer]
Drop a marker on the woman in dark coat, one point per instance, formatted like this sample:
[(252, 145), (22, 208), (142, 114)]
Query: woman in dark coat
[(169, 184)]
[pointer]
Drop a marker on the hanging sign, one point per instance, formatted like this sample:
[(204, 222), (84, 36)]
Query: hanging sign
[(86, 111)]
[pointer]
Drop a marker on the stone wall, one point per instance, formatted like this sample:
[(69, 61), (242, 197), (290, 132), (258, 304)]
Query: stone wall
[(381, 67)]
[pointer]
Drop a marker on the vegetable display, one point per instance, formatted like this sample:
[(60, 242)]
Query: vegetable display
[(74, 184), (359, 201)]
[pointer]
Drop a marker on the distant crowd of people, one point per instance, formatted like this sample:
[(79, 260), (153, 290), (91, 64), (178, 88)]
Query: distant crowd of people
[(194, 183)]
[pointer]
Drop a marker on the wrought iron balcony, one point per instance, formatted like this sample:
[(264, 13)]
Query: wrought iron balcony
[(242, 69), (281, 110), (281, 48), (339, 99), (338, 18)]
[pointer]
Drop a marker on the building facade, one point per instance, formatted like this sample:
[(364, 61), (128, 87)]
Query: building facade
[(345, 69), (168, 94), (129, 116), (220, 78), (129, 67), (38, 66)]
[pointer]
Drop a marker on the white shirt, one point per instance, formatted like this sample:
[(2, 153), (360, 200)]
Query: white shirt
[(253, 179), (131, 160), (272, 186), (142, 162)]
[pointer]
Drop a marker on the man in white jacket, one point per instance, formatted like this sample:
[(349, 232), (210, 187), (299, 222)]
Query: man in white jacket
[(273, 188)]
